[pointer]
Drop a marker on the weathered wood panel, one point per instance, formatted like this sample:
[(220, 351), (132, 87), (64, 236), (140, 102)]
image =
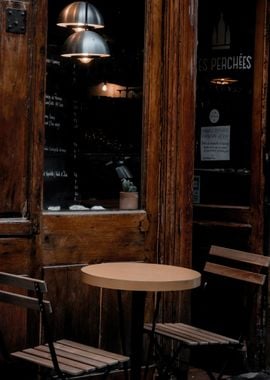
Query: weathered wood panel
[(14, 320), (152, 116), (91, 238), (113, 322), (225, 213), (178, 73), (260, 86), (16, 255), (76, 310), (36, 131), (15, 227), (21, 120), (14, 115), (72, 238), (22, 74)]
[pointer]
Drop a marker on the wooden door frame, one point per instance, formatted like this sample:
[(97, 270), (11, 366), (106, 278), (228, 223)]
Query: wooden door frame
[(168, 122), (22, 97), (162, 230), (169, 119), (259, 117)]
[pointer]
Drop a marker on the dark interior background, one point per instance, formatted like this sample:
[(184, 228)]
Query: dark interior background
[(84, 133)]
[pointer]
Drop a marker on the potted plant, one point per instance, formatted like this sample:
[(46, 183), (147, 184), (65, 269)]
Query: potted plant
[(129, 196)]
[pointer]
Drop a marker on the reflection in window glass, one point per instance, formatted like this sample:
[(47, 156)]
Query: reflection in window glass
[(224, 101), (93, 121)]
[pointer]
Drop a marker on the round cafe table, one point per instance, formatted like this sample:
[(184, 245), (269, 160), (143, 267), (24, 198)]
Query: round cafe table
[(139, 278)]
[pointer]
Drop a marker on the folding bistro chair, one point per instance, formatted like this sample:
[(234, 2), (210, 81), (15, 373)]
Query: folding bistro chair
[(64, 358), (243, 270)]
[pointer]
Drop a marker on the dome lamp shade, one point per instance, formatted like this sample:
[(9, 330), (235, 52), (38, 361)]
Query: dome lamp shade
[(80, 14), (85, 46)]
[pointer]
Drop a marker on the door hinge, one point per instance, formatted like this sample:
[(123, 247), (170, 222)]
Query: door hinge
[(15, 21)]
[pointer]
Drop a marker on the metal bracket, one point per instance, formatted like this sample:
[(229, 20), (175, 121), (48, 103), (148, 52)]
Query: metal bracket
[(15, 21)]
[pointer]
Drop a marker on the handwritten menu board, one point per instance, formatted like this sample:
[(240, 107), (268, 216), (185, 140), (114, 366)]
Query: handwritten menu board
[(60, 187)]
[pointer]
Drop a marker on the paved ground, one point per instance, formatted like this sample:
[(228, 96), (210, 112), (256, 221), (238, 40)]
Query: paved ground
[(197, 374)]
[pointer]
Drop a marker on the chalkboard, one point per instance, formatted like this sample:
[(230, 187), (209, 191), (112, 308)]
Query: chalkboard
[(59, 186)]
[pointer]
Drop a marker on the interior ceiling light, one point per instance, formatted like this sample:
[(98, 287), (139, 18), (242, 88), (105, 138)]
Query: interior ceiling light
[(223, 81), (85, 46), (80, 15)]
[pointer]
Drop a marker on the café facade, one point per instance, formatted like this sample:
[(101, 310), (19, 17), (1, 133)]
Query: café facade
[(178, 106)]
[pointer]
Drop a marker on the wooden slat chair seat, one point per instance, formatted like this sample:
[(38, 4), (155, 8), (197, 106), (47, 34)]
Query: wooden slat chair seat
[(189, 336), (67, 359), (73, 358)]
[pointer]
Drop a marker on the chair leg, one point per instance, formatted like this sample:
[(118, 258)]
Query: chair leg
[(166, 363), (126, 371), (152, 335), (122, 331)]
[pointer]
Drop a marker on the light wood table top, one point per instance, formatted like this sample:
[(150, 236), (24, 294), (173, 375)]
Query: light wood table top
[(136, 276), (139, 278)]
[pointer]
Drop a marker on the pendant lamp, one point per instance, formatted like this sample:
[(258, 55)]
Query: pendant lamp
[(84, 44), (80, 15)]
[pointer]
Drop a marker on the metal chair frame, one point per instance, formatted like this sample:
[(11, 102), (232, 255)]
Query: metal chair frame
[(67, 359), (188, 337)]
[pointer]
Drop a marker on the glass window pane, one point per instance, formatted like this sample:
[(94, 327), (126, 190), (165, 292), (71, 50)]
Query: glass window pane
[(93, 123), (224, 101)]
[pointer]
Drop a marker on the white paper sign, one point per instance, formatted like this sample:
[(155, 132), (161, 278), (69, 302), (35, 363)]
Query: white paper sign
[(215, 143)]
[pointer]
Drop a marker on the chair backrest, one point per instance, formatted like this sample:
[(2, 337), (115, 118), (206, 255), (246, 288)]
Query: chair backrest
[(35, 302), (232, 280), (22, 282), (238, 265)]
